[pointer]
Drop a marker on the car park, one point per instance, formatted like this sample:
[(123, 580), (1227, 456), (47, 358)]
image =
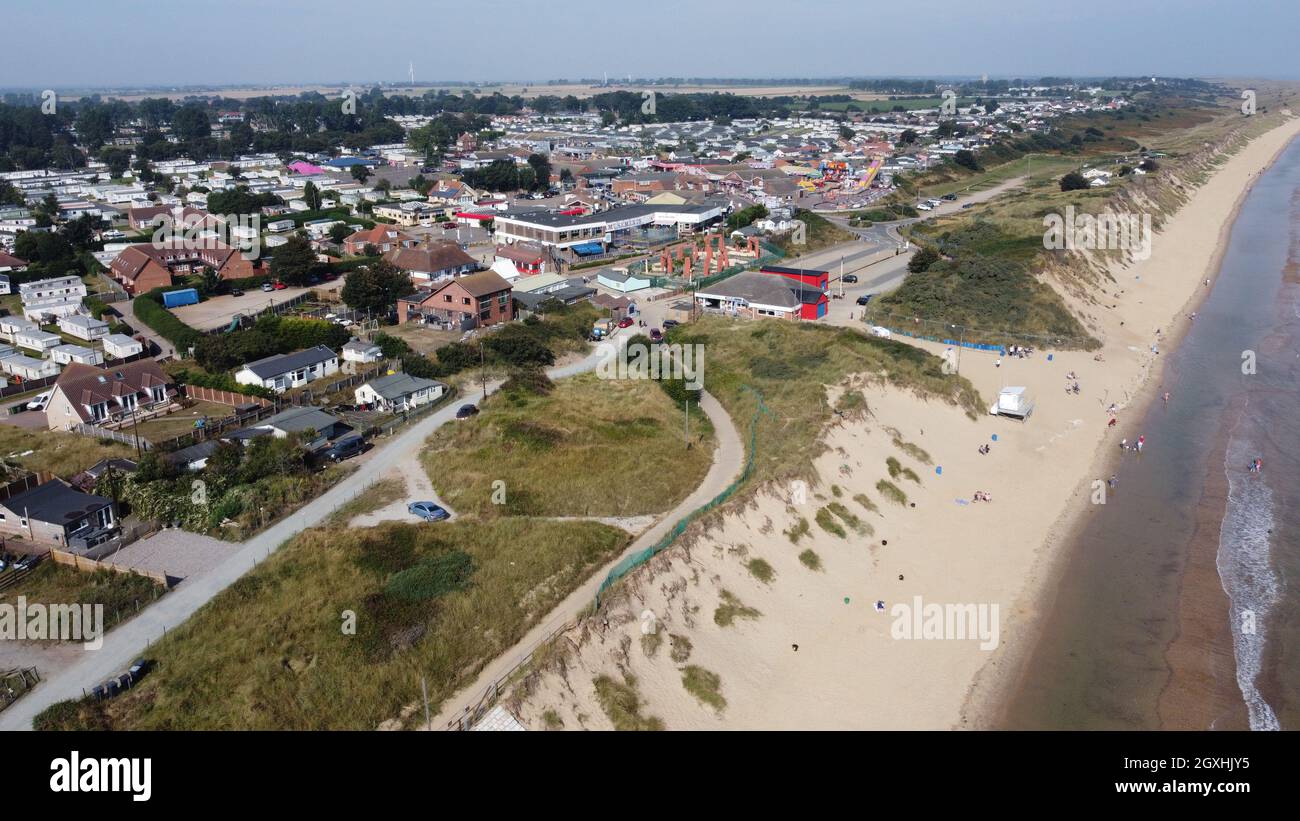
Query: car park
[(466, 411), (428, 511)]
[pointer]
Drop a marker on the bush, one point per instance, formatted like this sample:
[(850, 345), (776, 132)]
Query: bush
[(1074, 181)]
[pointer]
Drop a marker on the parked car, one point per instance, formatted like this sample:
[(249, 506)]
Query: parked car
[(881, 332), (279, 286), (920, 206), (864, 299), (39, 401), (656, 335), (969, 205), (266, 286), (466, 411), (345, 448), (949, 197), (670, 323), (428, 511), (850, 279), (625, 322), (447, 226)]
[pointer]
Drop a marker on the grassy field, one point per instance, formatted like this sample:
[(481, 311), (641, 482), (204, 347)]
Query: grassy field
[(121, 594), (791, 365), (63, 454), (435, 601), (591, 447), (1033, 167), (182, 421)]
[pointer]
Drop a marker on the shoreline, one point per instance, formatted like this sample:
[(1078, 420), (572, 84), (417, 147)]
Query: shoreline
[(808, 641), (991, 692)]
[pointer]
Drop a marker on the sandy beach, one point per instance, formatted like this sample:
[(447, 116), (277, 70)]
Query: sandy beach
[(807, 647)]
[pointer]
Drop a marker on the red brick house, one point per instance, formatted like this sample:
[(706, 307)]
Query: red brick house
[(476, 300), (145, 266), (384, 237)]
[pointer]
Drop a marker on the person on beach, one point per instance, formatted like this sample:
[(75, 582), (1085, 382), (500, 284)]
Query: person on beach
[(1166, 397), (1142, 440), (1113, 481), (1113, 422), (1123, 444)]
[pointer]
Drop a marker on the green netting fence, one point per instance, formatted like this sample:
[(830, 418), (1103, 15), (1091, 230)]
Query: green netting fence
[(639, 558)]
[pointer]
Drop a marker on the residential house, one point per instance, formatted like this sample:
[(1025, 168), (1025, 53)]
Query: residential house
[(399, 392), (315, 426), (107, 396), (476, 300), (361, 352), (384, 237), (142, 267), (34, 339), (284, 371), (56, 514), (433, 261), (10, 264)]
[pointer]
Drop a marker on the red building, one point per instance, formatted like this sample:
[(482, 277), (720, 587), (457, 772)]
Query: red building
[(808, 276)]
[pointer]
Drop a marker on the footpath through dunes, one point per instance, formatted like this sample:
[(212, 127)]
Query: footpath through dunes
[(134, 638), (728, 461), (757, 632)]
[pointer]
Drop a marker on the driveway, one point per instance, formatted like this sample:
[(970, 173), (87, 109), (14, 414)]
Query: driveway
[(131, 640)]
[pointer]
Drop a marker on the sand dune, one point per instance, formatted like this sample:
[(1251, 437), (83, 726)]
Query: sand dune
[(848, 672)]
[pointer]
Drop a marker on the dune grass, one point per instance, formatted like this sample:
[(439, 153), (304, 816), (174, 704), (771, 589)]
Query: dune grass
[(622, 704), (896, 469), (865, 501), (379, 494), (732, 608), (790, 364), (891, 491), (761, 570), (849, 518), (680, 648), (589, 447), (810, 560), (826, 521), (705, 685), (798, 530), (438, 601)]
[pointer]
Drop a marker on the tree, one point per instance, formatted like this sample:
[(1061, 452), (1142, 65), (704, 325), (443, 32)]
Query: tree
[(907, 137), (376, 287), (293, 261), (117, 159), (847, 133), (946, 129), (360, 173), (541, 166), (339, 232), (966, 159), (311, 195), (922, 260), (191, 123), (1074, 181)]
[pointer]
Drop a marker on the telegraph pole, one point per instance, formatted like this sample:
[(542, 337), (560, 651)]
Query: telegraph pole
[(482, 367)]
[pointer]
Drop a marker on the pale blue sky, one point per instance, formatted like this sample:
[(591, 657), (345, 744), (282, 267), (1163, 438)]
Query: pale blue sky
[(81, 43)]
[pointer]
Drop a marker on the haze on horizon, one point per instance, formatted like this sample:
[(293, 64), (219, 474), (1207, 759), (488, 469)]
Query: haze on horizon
[(130, 44)]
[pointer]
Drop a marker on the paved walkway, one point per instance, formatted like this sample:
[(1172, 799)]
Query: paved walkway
[(132, 639), (728, 461)]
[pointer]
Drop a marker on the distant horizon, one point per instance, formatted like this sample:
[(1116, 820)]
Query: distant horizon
[(829, 81), (742, 39)]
